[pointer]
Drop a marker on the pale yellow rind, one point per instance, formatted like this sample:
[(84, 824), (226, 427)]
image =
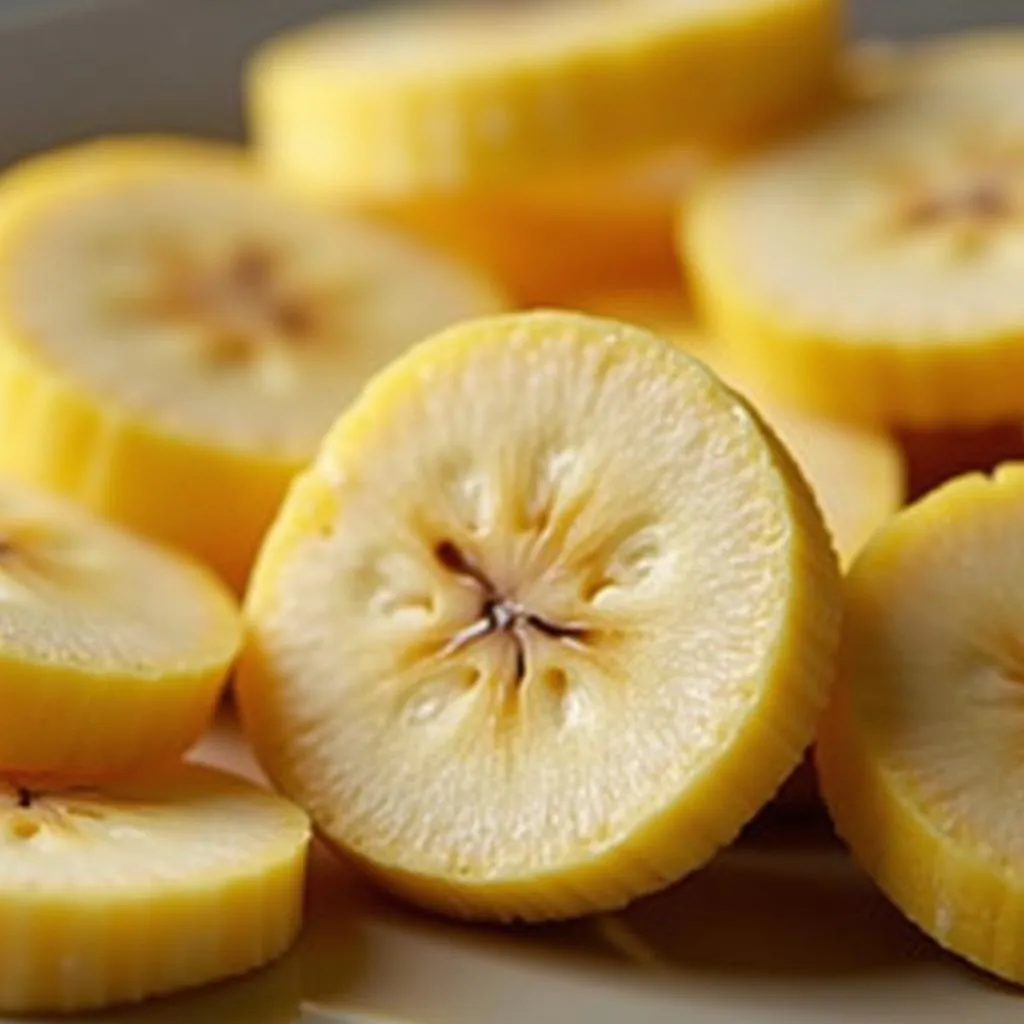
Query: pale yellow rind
[(75, 710), (957, 886), (602, 83), (691, 825), (65, 436), (73, 939)]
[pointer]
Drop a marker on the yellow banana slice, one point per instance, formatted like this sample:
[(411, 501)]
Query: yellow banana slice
[(112, 652), (146, 887), (871, 271), (857, 475), (547, 620), (175, 337), (398, 104), (919, 754)]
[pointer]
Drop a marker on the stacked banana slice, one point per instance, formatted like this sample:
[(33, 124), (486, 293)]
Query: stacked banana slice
[(175, 336), (547, 141), (870, 270), (122, 874)]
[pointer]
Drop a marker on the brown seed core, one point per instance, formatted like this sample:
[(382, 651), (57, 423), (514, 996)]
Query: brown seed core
[(498, 614)]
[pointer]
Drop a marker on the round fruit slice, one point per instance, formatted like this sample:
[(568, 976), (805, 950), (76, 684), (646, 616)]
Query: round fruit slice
[(175, 337), (546, 621), (871, 271), (555, 234), (113, 652), (395, 104), (856, 474), (919, 756), (146, 887)]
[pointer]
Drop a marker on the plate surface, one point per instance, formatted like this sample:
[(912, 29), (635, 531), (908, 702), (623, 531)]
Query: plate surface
[(779, 930)]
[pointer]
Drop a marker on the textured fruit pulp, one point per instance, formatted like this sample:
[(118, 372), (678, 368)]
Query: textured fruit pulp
[(243, 320), (567, 637)]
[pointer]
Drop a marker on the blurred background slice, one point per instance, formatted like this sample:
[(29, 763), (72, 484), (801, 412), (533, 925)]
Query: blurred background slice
[(175, 65)]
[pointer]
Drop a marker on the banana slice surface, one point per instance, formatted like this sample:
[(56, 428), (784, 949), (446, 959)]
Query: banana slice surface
[(397, 104), (918, 754), (547, 620), (197, 297), (176, 336), (870, 270), (112, 651), (856, 474), (144, 887)]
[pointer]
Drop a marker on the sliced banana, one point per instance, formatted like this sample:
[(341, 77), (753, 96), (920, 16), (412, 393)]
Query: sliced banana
[(919, 754), (857, 475), (175, 337), (547, 620), (397, 104), (146, 887), (553, 235), (872, 270), (113, 652)]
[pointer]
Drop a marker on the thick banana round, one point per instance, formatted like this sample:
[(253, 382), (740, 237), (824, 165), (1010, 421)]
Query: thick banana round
[(175, 336), (113, 652), (388, 106), (146, 887), (871, 271), (547, 620), (857, 475), (919, 753)]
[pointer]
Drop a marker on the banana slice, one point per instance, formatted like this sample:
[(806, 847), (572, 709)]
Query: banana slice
[(546, 621), (554, 235), (397, 104), (112, 652), (919, 755), (857, 475), (175, 337), (872, 270), (150, 886)]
